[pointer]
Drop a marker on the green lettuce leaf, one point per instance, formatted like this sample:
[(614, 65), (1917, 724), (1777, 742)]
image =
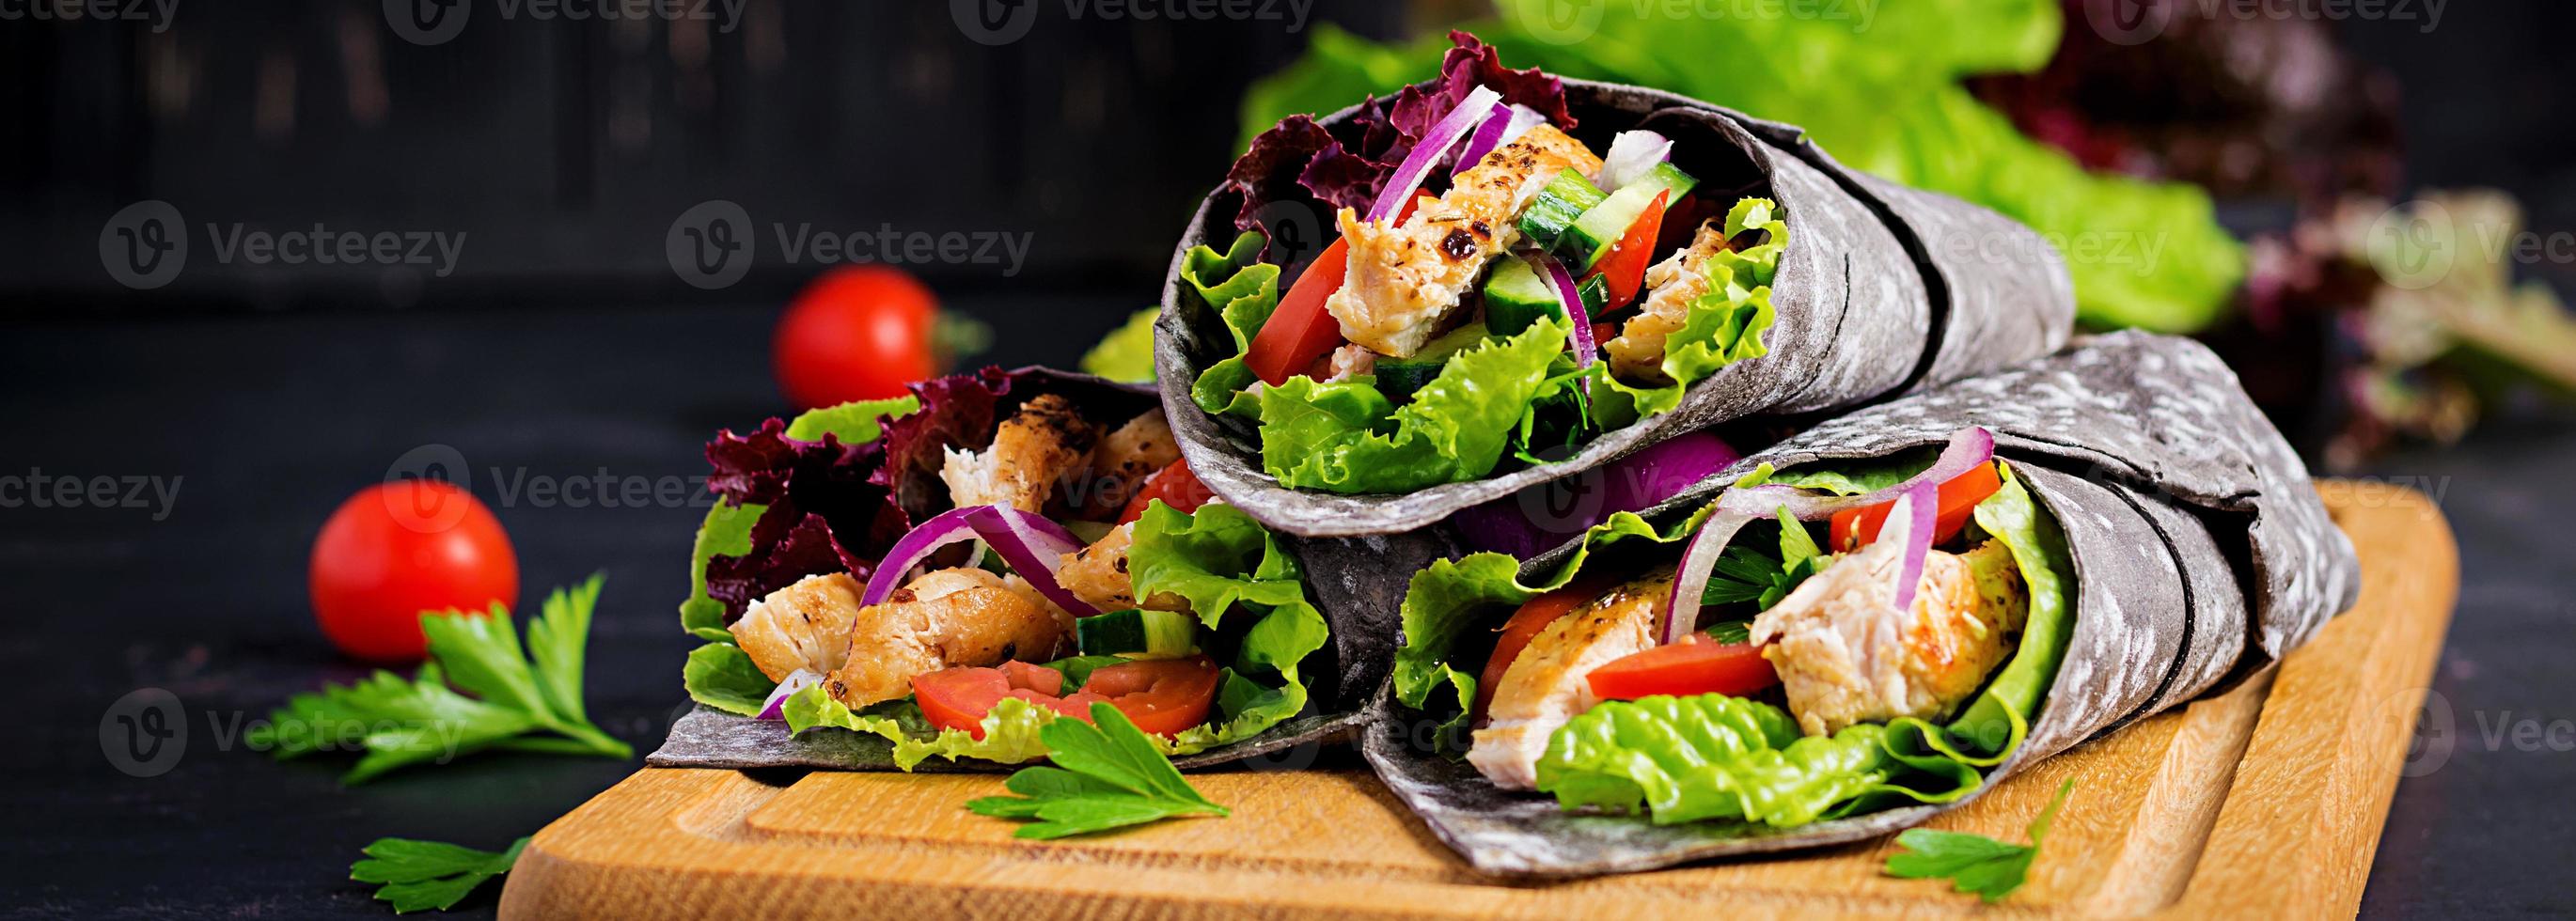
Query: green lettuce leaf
[(1346, 437), (1243, 291), (721, 675), (1994, 722), (1881, 87), (1711, 756), (1127, 353), (1224, 562), (1010, 729)]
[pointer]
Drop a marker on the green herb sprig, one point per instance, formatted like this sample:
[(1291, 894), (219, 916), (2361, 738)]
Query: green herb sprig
[(423, 875), (1106, 776), (520, 699), (1974, 863)]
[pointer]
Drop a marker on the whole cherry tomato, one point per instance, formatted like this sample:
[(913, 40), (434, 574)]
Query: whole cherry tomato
[(397, 549), (859, 332)]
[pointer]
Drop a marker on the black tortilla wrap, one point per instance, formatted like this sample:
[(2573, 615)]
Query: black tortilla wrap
[(1868, 304), (966, 417), (2200, 550)]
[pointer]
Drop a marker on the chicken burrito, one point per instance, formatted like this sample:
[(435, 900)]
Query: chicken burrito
[(938, 576), (1497, 278), (1866, 624)]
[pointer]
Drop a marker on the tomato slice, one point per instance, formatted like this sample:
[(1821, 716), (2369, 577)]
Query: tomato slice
[(1300, 330), (1175, 485), (1854, 528), (1533, 616), (1162, 696), (1624, 267), (1682, 221), (1696, 665)]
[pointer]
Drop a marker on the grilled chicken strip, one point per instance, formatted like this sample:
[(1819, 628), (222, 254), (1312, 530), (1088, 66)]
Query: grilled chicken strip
[(1545, 686), (1098, 575), (1404, 281), (1846, 655), (1122, 462), (805, 625), (944, 619), (1032, 451), (1672, 285)]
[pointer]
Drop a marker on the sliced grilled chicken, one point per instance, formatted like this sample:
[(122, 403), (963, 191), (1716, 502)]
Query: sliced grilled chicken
[(1846, 655), (802, 626), (1637, 356), (1545, 686), (1121, 463), (1033, 451), (944, 619), (1098, 575), (1404, 281)]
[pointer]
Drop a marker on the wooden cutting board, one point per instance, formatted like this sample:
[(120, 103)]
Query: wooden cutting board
[(2265, 802)]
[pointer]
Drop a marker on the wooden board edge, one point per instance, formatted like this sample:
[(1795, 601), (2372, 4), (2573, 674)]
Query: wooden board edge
[(2313, 790)]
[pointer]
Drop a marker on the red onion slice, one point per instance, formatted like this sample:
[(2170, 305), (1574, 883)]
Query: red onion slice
[(1528, 522), (1032, 545), (1417, 165), (797, 680), (1681, 608), (1968, 447), (1501, 126), (1915, 509), (1632, 153), (918, 544), (1489, 135), (1562, 282)]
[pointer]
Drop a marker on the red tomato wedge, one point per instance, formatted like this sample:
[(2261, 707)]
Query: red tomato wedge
[(1301, 330), (1534, 616), (1175, 485), (1696, 665), (1856, 527), (1162, 696), (1624, 268)]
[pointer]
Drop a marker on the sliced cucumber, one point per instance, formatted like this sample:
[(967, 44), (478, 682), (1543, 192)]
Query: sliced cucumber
[(1598, 229), (1557, 206), (1516, 297), (1137, 634), (1398, 378)]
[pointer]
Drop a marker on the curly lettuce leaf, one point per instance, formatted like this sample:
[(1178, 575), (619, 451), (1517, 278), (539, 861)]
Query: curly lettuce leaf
[(1010, 730), (1882, 89), (1711, 756), (1346, 437), (1224, 562), (797, 498), (1127, 353), (1242, 291)]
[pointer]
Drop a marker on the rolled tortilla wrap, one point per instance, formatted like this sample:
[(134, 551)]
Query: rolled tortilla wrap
[(2198, 546)]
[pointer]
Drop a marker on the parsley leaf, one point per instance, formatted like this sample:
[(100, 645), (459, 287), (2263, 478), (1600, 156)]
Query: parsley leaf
[(421, 875), (506, 700), (1106, 776), (1974, 863)]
